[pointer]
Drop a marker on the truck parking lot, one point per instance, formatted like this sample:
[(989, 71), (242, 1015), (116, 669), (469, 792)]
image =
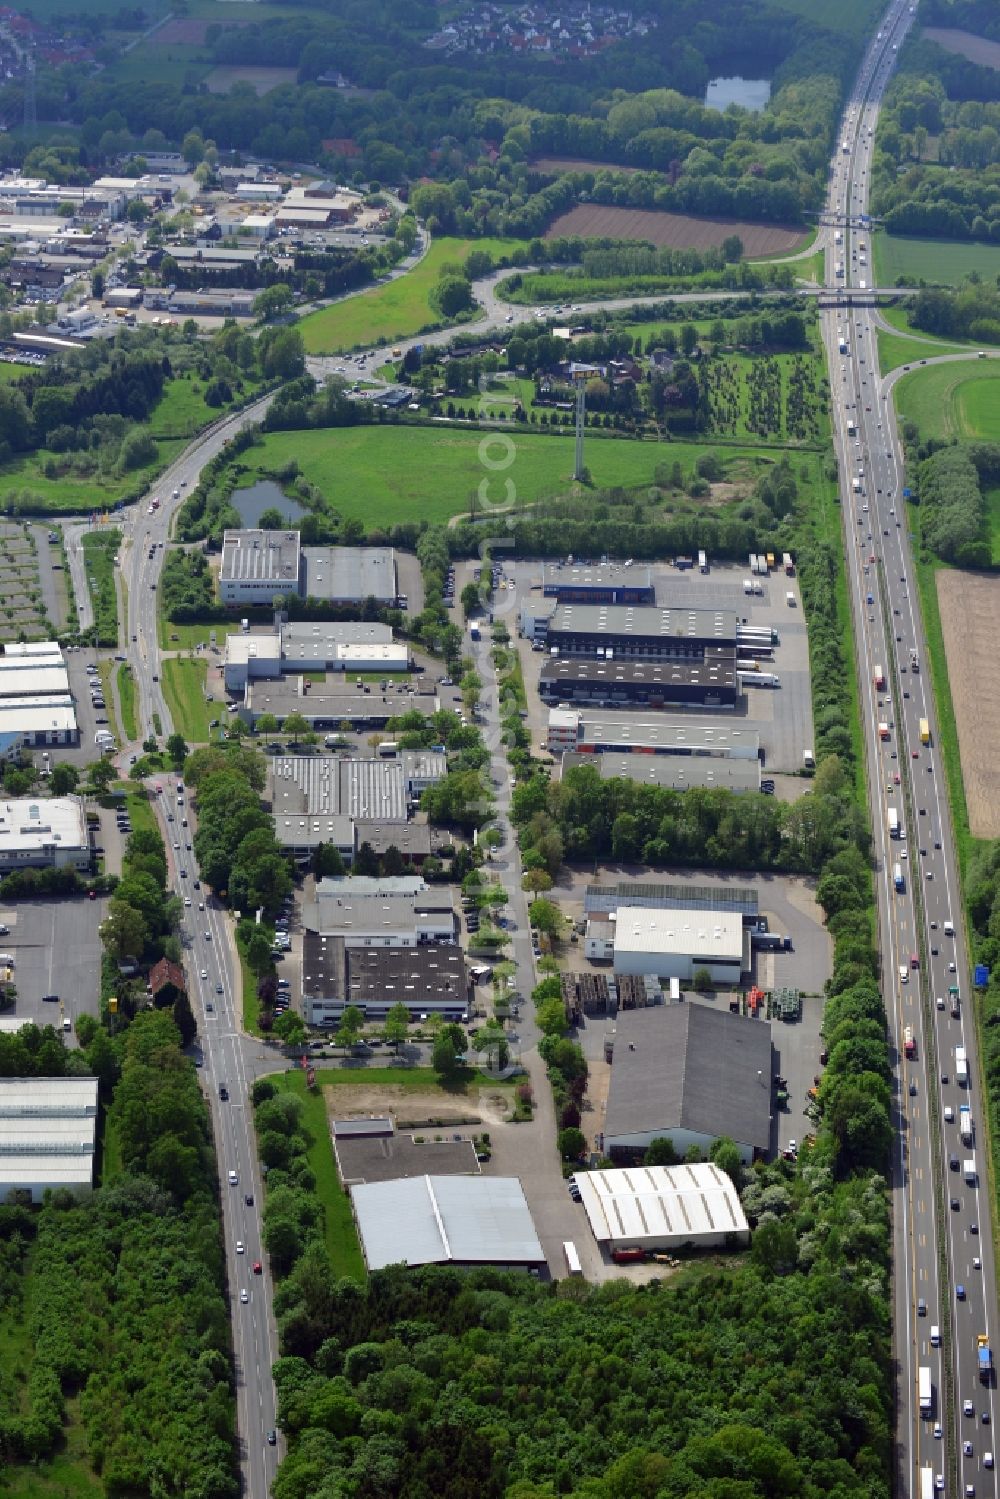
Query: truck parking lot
[(57, 952)]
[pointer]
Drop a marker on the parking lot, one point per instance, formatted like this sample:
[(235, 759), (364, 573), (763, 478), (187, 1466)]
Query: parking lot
[(57, 950)]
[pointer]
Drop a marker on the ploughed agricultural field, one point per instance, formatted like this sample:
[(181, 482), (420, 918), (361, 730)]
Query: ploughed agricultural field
[(966, 44), (578, 164), (679, 231), (970, 607), (261, 80)]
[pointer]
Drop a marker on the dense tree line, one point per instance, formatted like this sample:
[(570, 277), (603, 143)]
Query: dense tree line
[(235, 844), (943, 101), (954, 522), (972, 311), (187, 586)]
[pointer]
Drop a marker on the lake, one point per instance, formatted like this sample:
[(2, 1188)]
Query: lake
[(264, 495), (751, 93)]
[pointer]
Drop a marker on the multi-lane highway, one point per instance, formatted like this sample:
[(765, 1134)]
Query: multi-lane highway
[(945, 1288), (213, 975)]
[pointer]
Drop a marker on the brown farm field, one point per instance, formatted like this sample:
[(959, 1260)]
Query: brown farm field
[(970, 607), (681, 231), (220, 80), (966, 44)]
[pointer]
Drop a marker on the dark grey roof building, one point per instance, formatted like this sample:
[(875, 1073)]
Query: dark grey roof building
[(688, 1073)]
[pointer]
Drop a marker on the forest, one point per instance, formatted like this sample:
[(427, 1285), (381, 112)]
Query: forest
[(972, 312), (127, 1317), (938, 146), (954, 522)]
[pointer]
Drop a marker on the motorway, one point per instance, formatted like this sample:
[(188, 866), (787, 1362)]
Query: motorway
[(942, 1222), (227, 1057)]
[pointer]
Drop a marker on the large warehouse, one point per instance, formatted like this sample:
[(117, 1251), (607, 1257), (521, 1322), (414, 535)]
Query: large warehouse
[(674, 944), (598, 583), (257, 565), (663, 1207), (639, 631), (595, 732), (688, 1073), (674, 772), (36, 704), (446, 1220), (332, 646), (429, 979), (709, 682), (47, 1132), (327, 705)]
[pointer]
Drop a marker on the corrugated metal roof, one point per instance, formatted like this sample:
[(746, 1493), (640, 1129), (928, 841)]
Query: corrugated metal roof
[(655, 1203), (426, 1220)]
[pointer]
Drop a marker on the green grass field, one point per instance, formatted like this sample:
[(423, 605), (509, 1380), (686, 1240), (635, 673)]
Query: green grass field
[(894, 350), (184, 690), (953, 400), (947, 261), (852, 17), (184, 637), (993, 511), (396, 310), (399, 474), (126, 696)]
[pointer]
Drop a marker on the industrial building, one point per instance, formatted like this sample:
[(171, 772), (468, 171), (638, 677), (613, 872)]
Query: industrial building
[(429, 979), (673, 772), (446, 1220), (598, 583), (674, 944), (663, 1207), (688, 1073), (709, 682), (47, 1133), (257, 565), (36, 704), (43, 834), (330, 646), (344, 802), (596, 733), (350, 575), (327, 705), (390, 920), (603, 900), (637, 632)]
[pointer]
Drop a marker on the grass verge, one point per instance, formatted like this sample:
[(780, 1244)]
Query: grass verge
[(99, 551), (126, 698), (184, 690), (176, 637), (340, 1234)]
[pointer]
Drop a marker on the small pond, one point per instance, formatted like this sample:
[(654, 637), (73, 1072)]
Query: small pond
[(264, 495), (751, 93)]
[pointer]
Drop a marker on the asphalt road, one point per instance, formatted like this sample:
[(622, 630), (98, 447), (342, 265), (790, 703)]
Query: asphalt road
[(936, 1249), (226, 1055)]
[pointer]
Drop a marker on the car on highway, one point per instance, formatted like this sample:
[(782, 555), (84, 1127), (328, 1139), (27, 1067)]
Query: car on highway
[(233, 1179), (204, 973), (960, 1296), (258, 1268), (241, 1248), (248, 1199), (244, 1296), (272, 1437), (967, 1409)]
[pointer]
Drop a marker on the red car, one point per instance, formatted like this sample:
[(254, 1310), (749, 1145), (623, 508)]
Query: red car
[(258, 1268)]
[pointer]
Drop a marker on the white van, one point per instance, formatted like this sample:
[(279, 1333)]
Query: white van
[(935, 1335), (949, 929)]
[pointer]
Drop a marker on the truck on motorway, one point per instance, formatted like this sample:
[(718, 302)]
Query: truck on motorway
[(925, 1391), (925, 731), (852, 427), (965, 1124), (969, 1171), (878, 677), (926, 1483), (961, 1066), (842, 345), (914, 661), (883, 730), (909, 1044), (893, 817), (838, 269), (897, 877), (984, 1358)]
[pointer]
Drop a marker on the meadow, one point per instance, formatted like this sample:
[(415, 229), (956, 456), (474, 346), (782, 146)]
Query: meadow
[(945, 261), (184, 690), (404, 474), (397, 309), (960, 400)]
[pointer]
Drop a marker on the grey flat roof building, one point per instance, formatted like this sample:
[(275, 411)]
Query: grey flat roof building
[(608, 582), (709, 678), (349, 575), (603, 899), (428, 978), (328, 704), (365, 790), (642, 626), (673, 772), (690, 1073), (446, 1220), (313, 645), (47, 1132), (257, 564)]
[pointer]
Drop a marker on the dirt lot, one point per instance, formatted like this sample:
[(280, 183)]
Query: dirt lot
[(413, 1106), (263, 80), (970, 608), (678, 230), (975, 48)]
